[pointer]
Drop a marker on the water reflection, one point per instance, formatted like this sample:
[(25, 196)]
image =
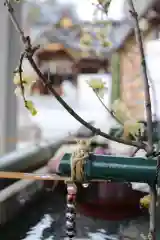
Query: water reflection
[(45, 220)]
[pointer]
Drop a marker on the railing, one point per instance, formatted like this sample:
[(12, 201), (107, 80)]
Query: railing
[(119, 169)]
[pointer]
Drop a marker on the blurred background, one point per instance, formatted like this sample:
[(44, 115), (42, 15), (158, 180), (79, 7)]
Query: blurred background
[(58, 26), (27, 141)]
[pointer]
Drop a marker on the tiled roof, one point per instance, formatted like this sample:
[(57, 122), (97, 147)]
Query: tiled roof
[(117, 32), (70, 38)]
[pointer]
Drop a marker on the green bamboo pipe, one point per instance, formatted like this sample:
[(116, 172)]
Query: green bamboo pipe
[(119, 169)]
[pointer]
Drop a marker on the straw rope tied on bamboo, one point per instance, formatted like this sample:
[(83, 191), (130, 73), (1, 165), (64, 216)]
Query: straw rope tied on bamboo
[(81, 156)]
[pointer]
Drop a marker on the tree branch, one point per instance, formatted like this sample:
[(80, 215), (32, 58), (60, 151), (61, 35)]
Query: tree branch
[(107, 109), (29, 55), (148, 115), (145, 78)]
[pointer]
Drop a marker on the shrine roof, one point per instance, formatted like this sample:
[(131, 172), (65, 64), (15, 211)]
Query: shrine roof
[(70, 38), (117, 33)]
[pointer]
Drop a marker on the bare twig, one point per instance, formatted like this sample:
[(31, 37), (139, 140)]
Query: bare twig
[(148, 115), (104, 5), (29, 55), (20, 70), (13, 18), (107, 109), (145, 77), (134, 153)]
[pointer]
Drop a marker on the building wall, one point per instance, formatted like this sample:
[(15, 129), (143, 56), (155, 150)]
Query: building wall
[(115, 71), (46, 61), (131, 86)]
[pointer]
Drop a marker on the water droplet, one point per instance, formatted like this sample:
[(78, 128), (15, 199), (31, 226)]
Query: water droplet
[(85, 185)]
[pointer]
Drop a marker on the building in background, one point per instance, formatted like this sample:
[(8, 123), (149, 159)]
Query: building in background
[(62, 55), (126, 63)]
